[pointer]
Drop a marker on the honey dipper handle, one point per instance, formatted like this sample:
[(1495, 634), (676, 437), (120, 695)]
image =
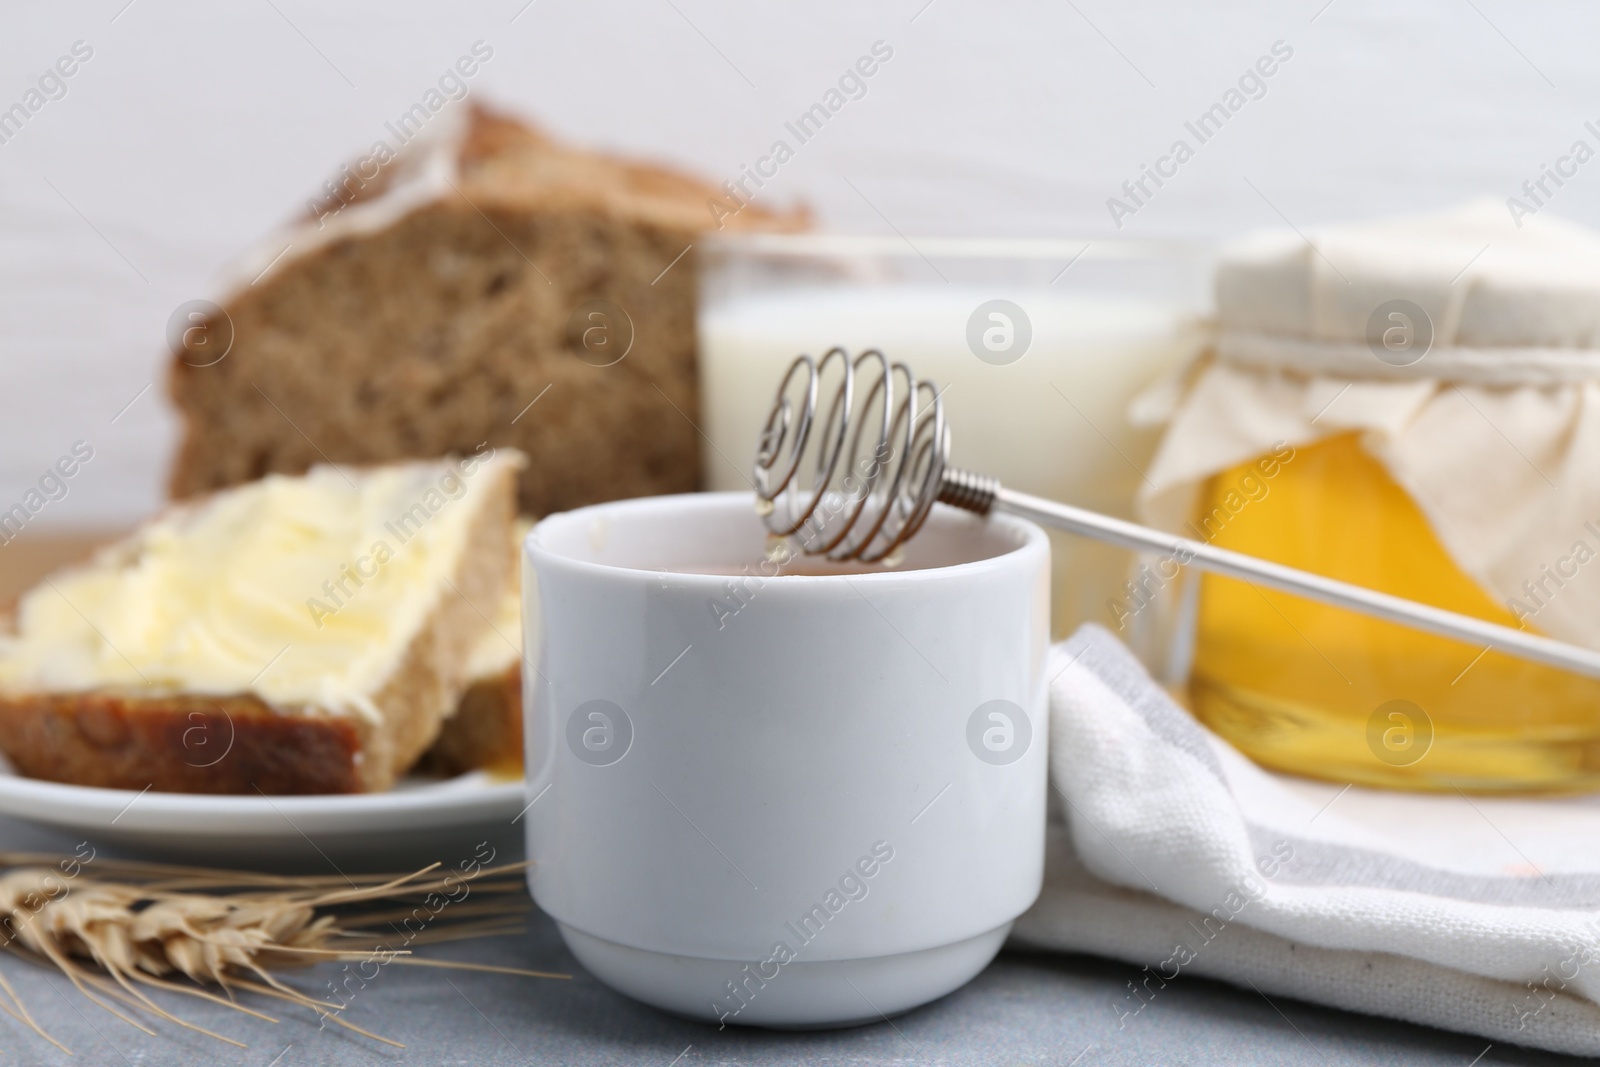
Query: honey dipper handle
[(979, 494)]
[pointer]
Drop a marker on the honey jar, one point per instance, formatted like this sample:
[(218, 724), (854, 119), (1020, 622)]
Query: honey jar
[(1414, 407)]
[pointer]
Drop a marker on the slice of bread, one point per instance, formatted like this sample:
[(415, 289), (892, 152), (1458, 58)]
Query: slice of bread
[(486, 284), (294, 635), (485, 733)]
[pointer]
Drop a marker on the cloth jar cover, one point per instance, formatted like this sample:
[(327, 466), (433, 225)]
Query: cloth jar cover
[(1481, 399)]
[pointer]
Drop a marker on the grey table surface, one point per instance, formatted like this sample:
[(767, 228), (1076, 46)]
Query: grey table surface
[(1025, 1009)]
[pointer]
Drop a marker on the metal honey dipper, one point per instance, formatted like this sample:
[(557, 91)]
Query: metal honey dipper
[(866, 509)]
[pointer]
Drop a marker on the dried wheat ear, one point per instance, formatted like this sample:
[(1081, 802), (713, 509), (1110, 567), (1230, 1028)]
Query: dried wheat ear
[(191, 930)]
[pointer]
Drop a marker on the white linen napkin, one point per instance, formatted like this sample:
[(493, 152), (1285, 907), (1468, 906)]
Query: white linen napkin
[(1176, 853)]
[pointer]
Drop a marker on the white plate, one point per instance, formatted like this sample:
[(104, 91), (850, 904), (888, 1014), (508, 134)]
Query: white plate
[(419, 822)]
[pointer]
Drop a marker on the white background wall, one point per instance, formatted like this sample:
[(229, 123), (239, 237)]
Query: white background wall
[(195, 128)]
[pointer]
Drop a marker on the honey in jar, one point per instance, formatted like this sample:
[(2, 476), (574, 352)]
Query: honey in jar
[(1303, 686), (1412, 406)]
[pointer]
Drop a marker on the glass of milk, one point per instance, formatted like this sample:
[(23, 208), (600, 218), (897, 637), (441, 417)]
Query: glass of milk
[(1038, 346)]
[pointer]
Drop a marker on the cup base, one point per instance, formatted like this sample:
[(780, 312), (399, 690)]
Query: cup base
[(804, 995)]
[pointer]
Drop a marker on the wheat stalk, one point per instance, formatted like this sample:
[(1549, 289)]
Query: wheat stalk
[(211, 933)]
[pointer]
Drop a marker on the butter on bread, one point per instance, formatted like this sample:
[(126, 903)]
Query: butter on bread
[(293, 635)]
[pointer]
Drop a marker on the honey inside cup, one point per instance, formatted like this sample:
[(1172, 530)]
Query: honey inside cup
[(1408, 406), (768, 796)]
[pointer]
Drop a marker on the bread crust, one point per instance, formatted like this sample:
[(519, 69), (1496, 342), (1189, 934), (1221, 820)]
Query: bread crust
[(180, 743)]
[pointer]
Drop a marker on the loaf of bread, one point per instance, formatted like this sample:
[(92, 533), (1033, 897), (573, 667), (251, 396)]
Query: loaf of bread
[(294, 635), (486, 285)]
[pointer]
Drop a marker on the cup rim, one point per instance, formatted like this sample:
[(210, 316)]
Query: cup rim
[(1034, 540)]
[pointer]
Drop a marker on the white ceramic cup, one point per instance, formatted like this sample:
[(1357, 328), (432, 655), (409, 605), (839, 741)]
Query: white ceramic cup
[(791, 800)]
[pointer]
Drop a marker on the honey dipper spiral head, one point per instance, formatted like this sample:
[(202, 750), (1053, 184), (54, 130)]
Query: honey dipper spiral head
[(854, 480)]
